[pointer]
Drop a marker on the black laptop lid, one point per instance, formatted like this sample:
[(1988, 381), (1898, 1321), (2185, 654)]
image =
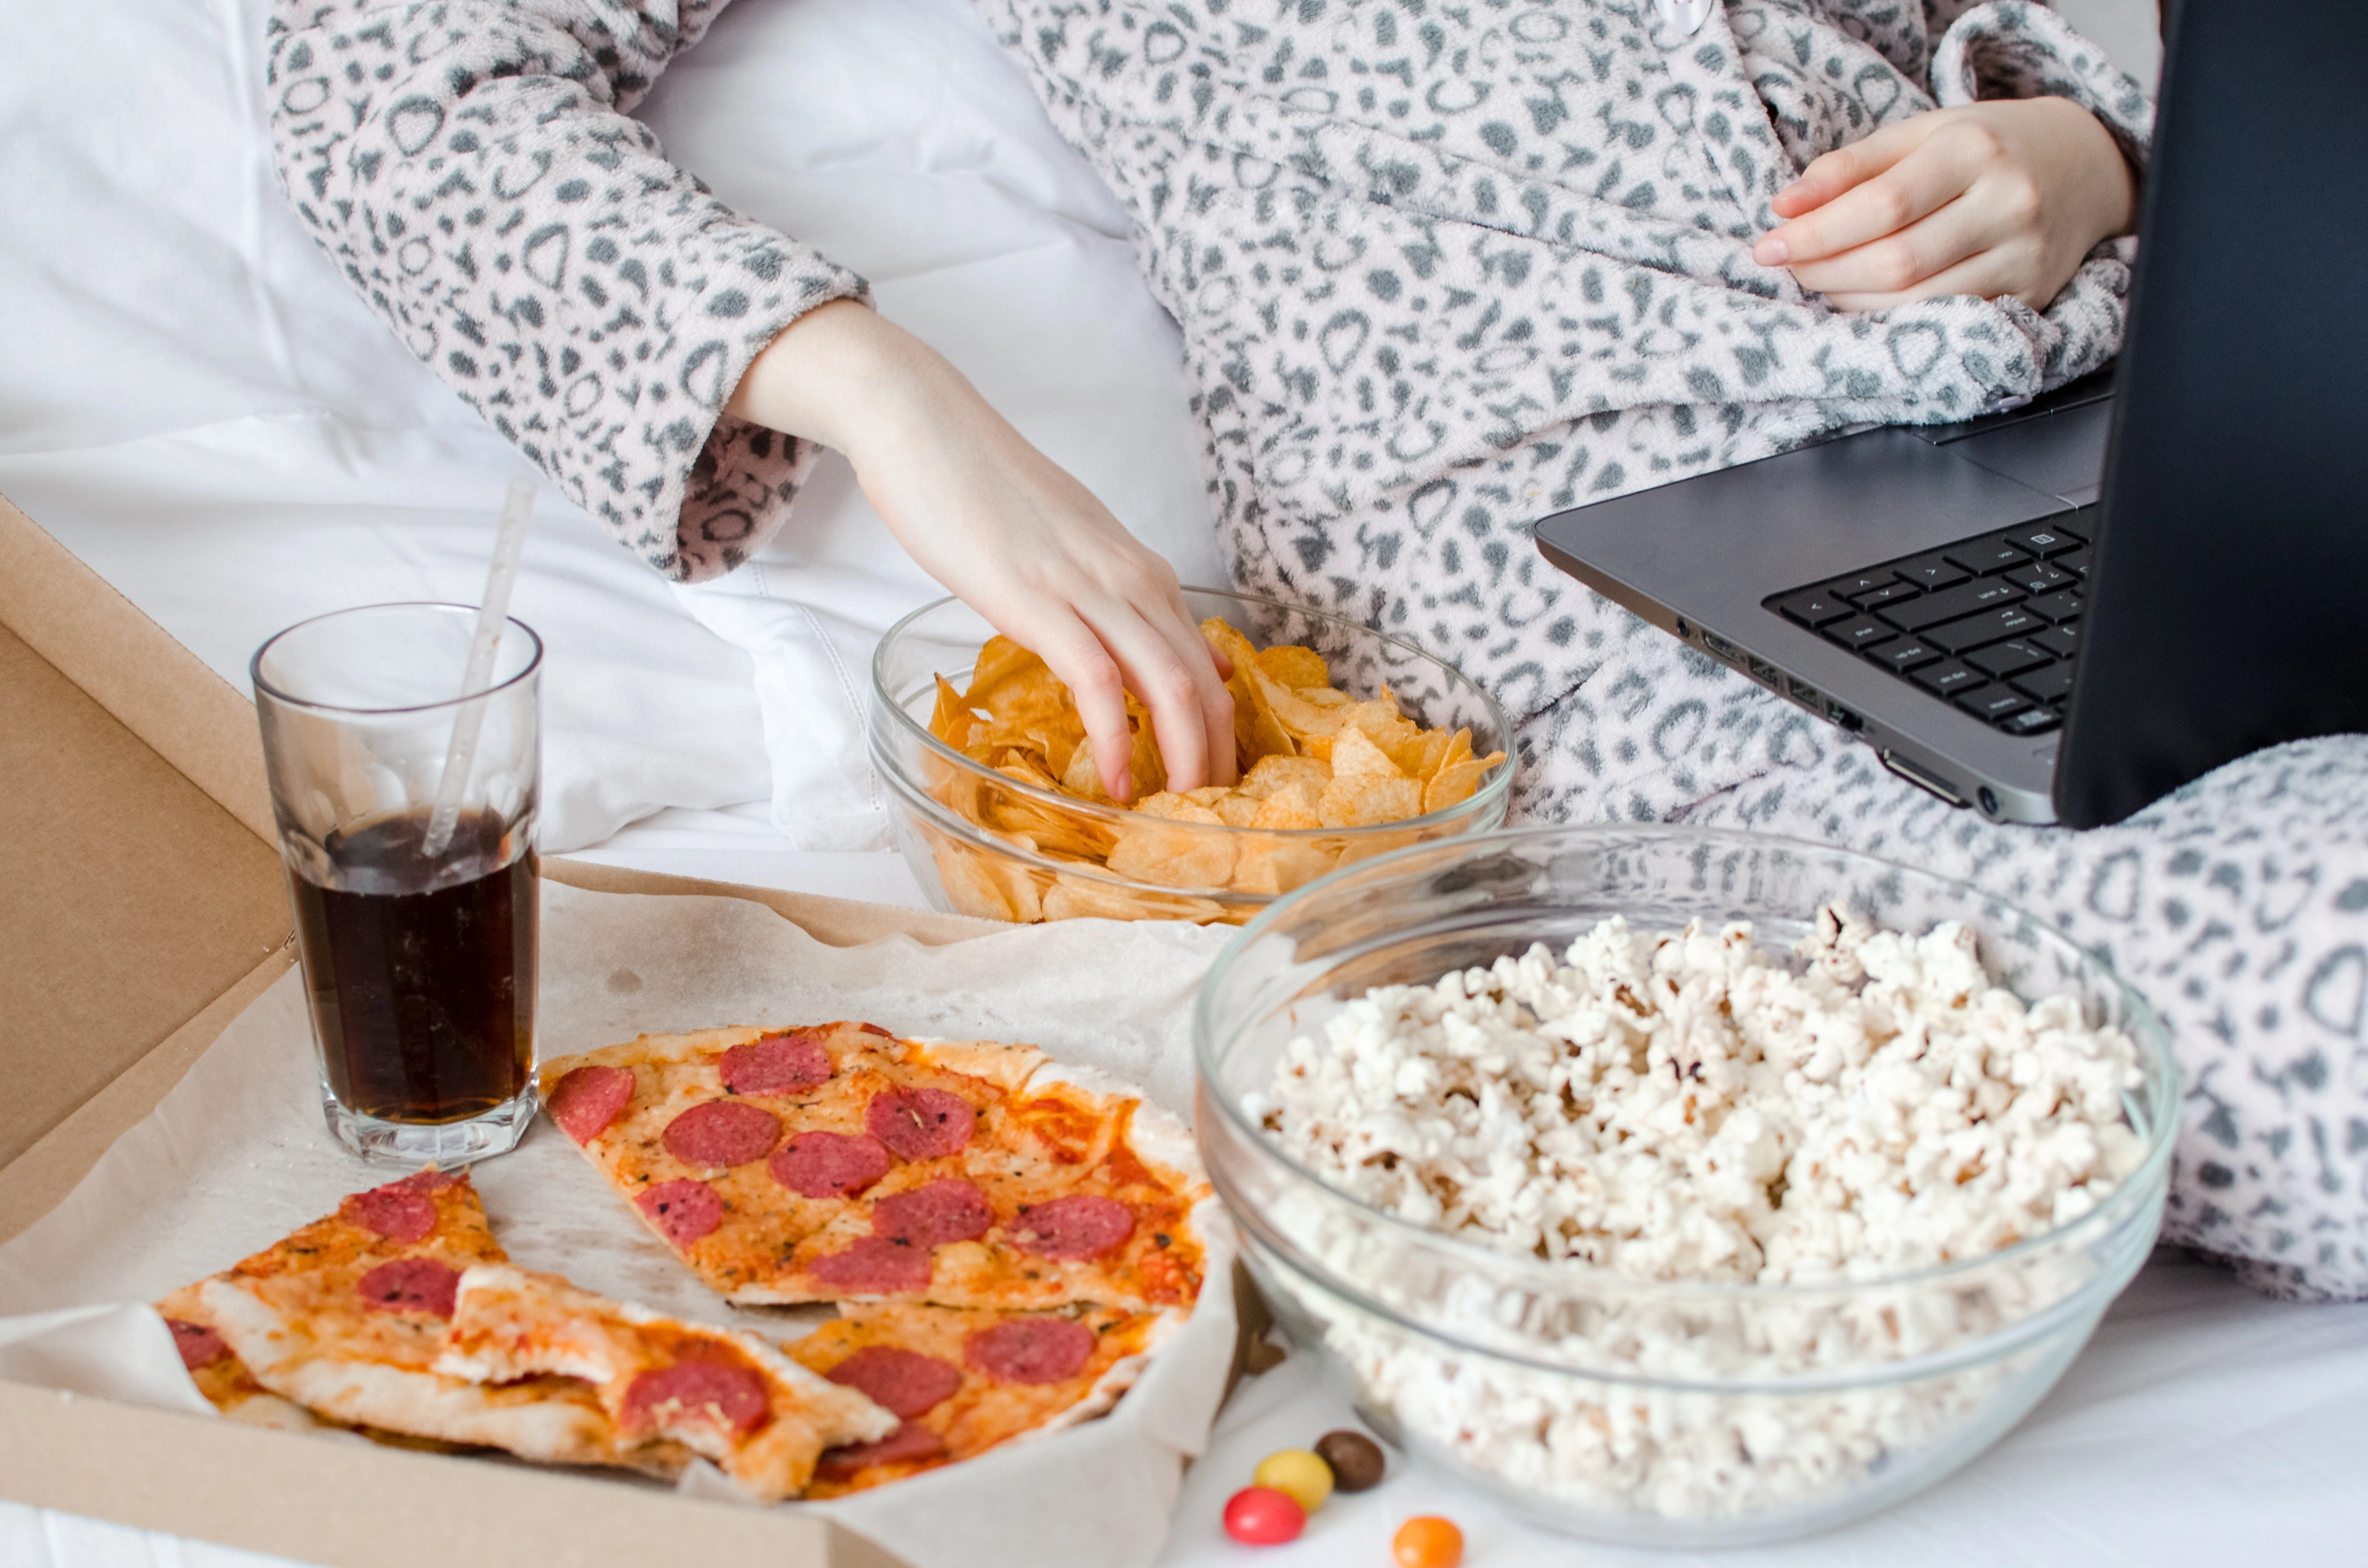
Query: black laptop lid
[(2229, 608)]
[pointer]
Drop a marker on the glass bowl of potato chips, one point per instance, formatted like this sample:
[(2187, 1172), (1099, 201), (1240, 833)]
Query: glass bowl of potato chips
[(1348, 742)]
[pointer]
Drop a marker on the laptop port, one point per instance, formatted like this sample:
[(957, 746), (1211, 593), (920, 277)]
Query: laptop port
[(1916, 774), (1845, 718), (1717, 644), (1807, 696), (1763, 672)]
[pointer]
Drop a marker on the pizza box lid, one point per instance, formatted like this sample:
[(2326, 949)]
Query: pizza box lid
[(140, 909)]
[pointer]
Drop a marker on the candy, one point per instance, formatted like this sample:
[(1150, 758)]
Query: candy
[(1264, 1516), (1427, 1542), (1356, 1459), (1300, 1472)]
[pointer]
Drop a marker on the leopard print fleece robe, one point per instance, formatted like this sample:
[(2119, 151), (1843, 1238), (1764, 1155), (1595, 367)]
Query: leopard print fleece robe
[(1440, 269)]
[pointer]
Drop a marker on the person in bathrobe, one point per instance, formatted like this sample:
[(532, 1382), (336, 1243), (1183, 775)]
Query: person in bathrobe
[(1439, 271)]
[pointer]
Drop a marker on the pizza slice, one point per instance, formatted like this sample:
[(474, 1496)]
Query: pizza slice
[(345, 1317), (762, 1418), (966, 1381), (840, 1162), (220, 1375)]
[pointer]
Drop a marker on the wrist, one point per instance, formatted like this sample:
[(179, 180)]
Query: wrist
[(841, 375)]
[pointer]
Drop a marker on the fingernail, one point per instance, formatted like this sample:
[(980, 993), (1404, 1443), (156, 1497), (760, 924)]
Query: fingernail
[(1771, 251)]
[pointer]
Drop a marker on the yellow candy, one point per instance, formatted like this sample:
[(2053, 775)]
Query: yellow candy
[(1303, 1474)]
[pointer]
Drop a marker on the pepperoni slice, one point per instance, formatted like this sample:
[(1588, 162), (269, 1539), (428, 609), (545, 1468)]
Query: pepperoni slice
[(683, 1210), (1031, 1350), (875, 1028), (721, 1134), (776, 1064), (830, 1165), (1073, 1228), (947, 1209), (711, 1393), (401, 1211), (876, 1265), (201, 1347), (909, 1441), (586, 1101), (903, 1382), (920, 1124), (411, 1285)]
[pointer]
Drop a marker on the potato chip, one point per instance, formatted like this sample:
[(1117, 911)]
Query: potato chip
[(1294, 667), (1369, 800), (1355, 756), (1293, 807), (1275, 866), (968, 882), (1272, 773), (1178, 855), (1324, 696), (953, 720), (1236, 808), (1298, 717)]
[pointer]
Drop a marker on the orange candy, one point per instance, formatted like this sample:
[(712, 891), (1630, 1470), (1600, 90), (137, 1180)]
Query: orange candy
[(1427, 1542)]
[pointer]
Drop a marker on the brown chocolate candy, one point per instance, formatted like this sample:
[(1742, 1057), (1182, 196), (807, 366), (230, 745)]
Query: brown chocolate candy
[(1356, 1459)]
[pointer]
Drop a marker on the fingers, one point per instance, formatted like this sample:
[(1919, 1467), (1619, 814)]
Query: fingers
[(1846, 168), (1077, 658), (1907, 262), (1915, 180), (1170, 667)]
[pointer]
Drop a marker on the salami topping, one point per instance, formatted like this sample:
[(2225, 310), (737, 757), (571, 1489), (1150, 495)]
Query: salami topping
[(909, 1441), (830, 1165), (875, 1028), (905, 1382), (401, 1211), (1073, 1228), (1031, 1350), (947, 1209), (201, 1347), (776, 1065), (876, 1265), (711, 1394), (721, 1134), (683, 1210), (920, 1124), (586, 1101), (411, 1285)]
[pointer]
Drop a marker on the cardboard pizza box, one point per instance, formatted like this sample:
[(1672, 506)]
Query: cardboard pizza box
[(140, 909)]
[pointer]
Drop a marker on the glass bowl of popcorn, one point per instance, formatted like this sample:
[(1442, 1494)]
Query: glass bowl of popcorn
[(1680, 1187), (1350, 742)]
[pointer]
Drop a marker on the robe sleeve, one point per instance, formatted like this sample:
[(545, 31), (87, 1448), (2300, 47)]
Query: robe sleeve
[(2018, 49), (469, 165)]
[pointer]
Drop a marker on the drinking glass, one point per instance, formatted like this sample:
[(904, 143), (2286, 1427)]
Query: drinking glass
[(419, 968)]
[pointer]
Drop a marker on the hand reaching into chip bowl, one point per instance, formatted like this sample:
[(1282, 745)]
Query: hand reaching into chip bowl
[(1345, 743), (1008, 531)]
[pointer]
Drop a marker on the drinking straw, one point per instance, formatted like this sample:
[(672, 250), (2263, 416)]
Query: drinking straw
[(487, 642)]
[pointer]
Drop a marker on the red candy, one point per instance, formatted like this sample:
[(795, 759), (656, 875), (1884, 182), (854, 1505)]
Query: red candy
[(586, 1101), (1263, 1516), (920, 1124), (830, 1165), (776, 1065), (684, 1210)]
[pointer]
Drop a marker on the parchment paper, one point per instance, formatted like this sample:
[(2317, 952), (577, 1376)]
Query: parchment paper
[(236, 1156)]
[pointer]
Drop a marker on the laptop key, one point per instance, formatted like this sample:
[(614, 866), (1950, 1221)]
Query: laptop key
[(2062, 641), (2060, 606), (1914, 615), (1949, 679), (2039, 577), (1982, 556), (1994, 702), (2052, 683), (1981, 630), (2003, 659), (2031, 721), (1932, 573), (1814, 607), (1891, 593), (2075, 562), (2043, 540), (1905, 657), (1860, 632), (1862, 583)]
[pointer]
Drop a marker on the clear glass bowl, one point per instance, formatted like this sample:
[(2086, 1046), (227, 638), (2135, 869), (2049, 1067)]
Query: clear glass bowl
[(1650, 1413), (959, 822)]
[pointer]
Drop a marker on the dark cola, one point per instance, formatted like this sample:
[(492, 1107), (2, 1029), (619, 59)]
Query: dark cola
[(423, 994)]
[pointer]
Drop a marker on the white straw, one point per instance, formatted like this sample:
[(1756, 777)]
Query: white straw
[(487, 642)]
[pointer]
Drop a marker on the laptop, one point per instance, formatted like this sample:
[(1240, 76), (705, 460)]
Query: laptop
[(2060, 613)]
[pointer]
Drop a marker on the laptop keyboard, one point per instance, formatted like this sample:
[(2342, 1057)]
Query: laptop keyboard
[(1991, 624)]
